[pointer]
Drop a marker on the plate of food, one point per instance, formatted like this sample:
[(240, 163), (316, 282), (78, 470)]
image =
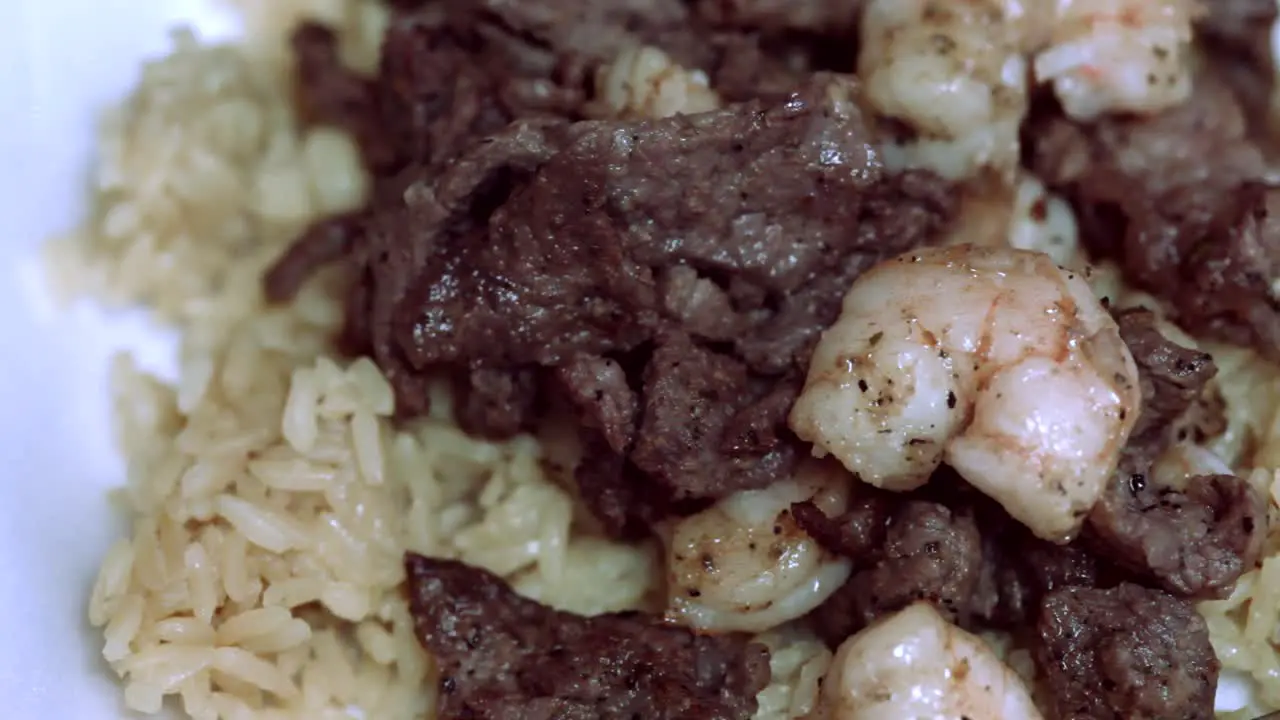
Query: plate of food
[(670, 359)]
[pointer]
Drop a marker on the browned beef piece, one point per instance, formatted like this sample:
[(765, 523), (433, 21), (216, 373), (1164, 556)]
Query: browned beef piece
[(597, 389), (707, 428), (1125, 653), (858, 533), (1172, 377), (929, 552), (769, 197), (619, 495), (700, 255), (1020, 569), (1175, 199), (495, 401), (443, 84), (503, 657), (321, 244), (1193, 542), (695, 258), (953, 547), (746, 69), (830, 17)]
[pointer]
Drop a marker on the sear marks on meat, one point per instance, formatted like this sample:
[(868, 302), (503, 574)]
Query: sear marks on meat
[(1125, 653), (443, 84), (594, 30), (504, 657), (1019, 569), (928, 552), (702, 255), (856, 533), (1176, 199), (498, 402), (707, 427), (1172, 377), (1194, 541), (745, 193), (944, 543)]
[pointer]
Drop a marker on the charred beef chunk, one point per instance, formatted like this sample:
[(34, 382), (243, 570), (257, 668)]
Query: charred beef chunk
[(929, 552), (443, 84), (1194, 541), (766, 199), (857, 533), (510, 245), (1020, 569), (706, 426), (1172, 377), (693, 260), (493, 401), (1175, 198), (503, 657), (1126, 653), (958, 550)]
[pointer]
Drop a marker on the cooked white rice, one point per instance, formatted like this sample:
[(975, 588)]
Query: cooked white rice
[(271, 500)]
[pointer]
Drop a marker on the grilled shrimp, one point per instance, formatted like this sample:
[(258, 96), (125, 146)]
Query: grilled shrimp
[(744, 564), (995, 360), (1117, 55), (644, 82), (955, 73), (914, 664)]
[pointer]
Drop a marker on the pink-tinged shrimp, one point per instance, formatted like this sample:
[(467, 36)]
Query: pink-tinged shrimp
[(954, 72), (1118, 55), (997, 361), (915, 664)]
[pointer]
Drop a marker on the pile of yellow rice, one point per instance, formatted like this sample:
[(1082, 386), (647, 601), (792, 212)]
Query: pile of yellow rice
[(271, 499)]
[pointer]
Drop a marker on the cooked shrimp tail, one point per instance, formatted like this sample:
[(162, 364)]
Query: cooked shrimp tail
[(744, 563)]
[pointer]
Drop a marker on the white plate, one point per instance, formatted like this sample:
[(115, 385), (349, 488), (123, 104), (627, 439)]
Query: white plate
[(61, 62)]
